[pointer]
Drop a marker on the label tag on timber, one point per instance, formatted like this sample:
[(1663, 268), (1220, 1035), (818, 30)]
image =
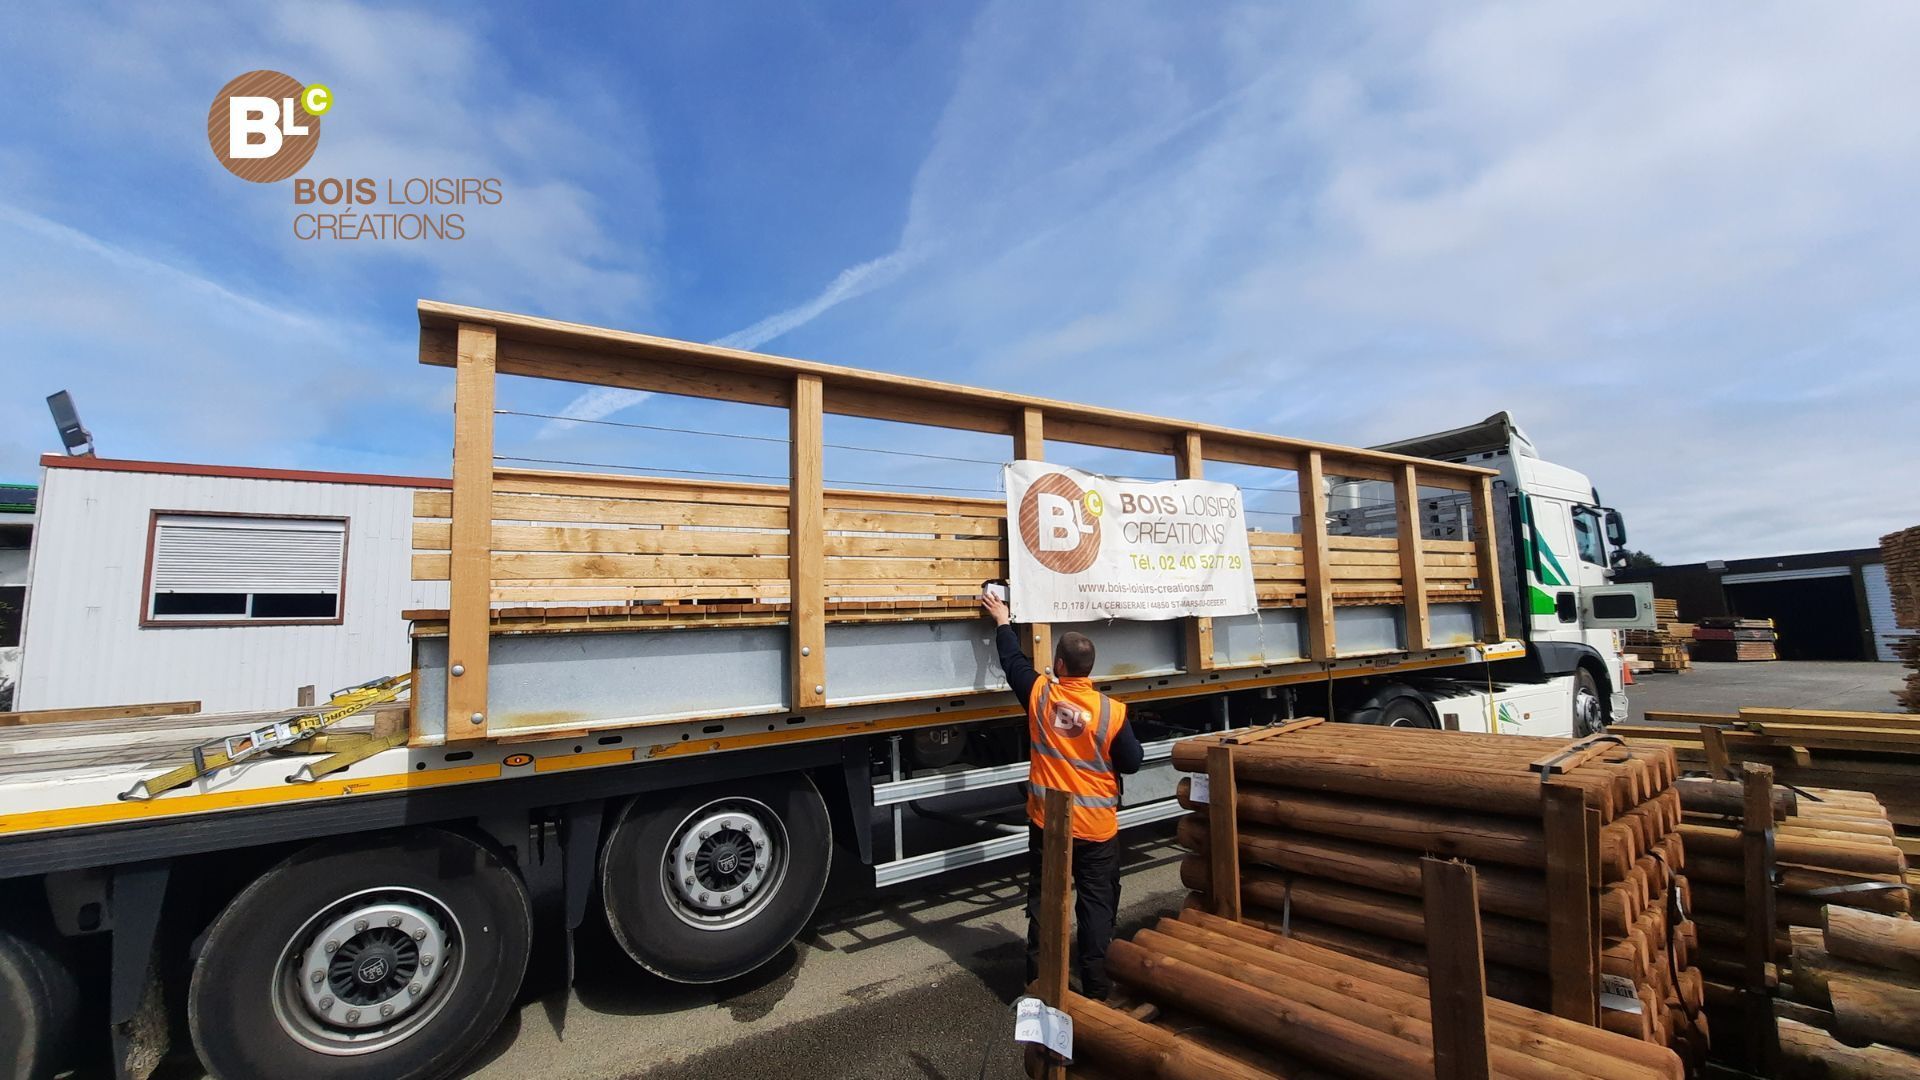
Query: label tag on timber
[(1200, 789), (1617, 993), (1034, 1021)]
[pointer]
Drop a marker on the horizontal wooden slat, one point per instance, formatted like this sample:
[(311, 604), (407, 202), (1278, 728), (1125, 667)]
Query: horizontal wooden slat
[(510, 507), (898, 546), (99, 712), (937, 524), (1448, 546), (1362, 543), (433, 504), (1342, 572), (1269, 538), (1338, 557), (621, 486), (978, 570), (433, 536), (910, 502)]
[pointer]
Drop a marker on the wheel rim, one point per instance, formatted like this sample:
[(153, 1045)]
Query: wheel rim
[(367, 971), (1586, 711), (724, 863)]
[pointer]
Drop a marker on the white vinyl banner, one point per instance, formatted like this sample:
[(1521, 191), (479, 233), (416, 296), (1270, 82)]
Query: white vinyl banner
[(1091, 547)]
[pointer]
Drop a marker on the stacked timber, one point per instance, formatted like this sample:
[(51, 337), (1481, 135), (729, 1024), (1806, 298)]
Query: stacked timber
[(1831, 849), (1874, 752), (1900, 552), (1666, 646), (1217, 998), (1724, 638), (1856, 976), (1333, 819)]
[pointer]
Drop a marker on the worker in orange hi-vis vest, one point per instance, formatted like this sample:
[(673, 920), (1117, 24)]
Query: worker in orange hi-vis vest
[(1080, 743)]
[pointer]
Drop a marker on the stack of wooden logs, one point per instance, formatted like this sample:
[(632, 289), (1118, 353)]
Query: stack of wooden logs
[(1900, 552), (1858, 977), (1830, 848), (1207, 996), (1665, 647), (1575, 843)]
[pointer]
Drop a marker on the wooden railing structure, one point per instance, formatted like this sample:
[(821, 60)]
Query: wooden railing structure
[(527, 550)]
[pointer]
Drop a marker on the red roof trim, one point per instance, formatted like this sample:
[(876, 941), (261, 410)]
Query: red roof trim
[(174, 468)]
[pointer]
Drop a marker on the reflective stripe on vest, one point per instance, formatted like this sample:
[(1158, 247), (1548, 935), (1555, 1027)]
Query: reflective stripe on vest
[(1094, 802), (1041, 746)]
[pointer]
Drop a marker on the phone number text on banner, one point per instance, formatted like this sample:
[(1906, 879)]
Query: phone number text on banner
[(1083, 547)]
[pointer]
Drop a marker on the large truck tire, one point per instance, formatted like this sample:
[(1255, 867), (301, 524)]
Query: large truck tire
[(396, 959), (1589, 706), (39, 1008), (707, 883), (1394, 705)]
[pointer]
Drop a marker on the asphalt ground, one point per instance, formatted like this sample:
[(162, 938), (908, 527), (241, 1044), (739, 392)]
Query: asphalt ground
[(1780, 684)]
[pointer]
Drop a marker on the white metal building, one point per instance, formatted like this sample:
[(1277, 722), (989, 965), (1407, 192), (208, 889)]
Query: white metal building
[(235, 587)]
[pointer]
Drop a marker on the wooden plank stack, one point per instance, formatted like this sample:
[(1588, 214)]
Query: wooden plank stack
[(1725, 638), (1900, 552), (1332, 821), (1874, 752), (1857, 976), (1207, 996), (1666, 647)]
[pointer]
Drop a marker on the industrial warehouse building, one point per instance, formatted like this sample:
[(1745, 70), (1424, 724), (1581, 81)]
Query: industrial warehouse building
[(152, 581), (1827, 605)]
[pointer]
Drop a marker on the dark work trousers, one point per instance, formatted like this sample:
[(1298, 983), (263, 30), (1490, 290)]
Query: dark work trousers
[(1096, 885)]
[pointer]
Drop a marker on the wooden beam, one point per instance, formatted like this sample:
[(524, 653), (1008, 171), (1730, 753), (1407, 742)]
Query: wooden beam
[(1756, 849), (1572, 953), (1714, 742), (1456, 970), (1223, 831), (1413, 564), (575, 352), (1486, 539), (806, 547), (97, 712), (469, 592), (1313, 556), (1030, 444), (1188, 465), (1056, 906)]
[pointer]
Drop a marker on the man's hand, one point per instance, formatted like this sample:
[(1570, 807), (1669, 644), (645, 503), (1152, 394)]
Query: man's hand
[(996, 609)]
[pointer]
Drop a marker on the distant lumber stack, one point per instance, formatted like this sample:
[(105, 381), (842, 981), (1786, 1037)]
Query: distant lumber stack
[(1575, 844), (1722, 638), (1666, 646), (1900, 552)]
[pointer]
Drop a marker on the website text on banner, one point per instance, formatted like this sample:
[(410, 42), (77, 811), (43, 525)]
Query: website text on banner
[(1092, 547)]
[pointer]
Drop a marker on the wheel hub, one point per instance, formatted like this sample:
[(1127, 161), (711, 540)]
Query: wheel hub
[(722, 863), (372, 964)]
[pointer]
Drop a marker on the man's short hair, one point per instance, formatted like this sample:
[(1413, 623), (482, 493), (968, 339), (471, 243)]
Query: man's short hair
[(1074, 654)]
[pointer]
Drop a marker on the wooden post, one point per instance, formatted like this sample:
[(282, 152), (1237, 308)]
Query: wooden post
[(1572, 954), (1030, 444), (1056, 909), (1456, 970), (1486, 545), (470, 573), (806, 547), (1223, 832), (1756, 845), (1313, 557), (1188, 465), (1413, 565), (1714, 742)]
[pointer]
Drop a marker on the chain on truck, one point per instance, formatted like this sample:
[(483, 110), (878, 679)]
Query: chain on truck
[(662, 706)]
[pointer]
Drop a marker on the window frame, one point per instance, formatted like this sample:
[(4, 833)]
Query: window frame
[(149, 622), (1597, 523)]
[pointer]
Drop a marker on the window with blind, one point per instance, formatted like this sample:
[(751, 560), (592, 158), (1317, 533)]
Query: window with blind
[(213, 568)]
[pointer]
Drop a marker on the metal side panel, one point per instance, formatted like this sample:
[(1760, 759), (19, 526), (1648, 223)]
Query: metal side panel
[(1266, 637), (1126, 649), (556, 680), (1453, 624), (889, 661), (1370, 629)]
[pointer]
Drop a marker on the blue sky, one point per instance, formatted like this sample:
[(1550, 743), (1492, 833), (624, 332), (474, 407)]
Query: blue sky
[(1678, 244)]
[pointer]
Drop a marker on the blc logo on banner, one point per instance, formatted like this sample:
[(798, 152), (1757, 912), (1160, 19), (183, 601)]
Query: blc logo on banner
[(1060, 523), (264, 126)]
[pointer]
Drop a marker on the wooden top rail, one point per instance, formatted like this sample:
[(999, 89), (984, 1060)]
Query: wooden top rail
[(551, 349)]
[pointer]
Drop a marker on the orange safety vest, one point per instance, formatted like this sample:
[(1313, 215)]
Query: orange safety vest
[(1071, 727)]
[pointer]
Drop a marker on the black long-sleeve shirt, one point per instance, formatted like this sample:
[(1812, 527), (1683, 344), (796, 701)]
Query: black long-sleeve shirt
[(1021, 676)]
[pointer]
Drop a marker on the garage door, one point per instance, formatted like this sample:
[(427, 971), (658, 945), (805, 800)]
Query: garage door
[(1880, 610)]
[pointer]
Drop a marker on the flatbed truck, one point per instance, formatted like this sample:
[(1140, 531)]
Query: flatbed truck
[(663, 706)]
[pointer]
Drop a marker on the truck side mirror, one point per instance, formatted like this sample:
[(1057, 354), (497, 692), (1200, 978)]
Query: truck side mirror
[(1616, 529)]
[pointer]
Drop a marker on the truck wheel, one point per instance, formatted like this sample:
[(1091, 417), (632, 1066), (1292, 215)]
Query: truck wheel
[(394, 961), (1401, 707), (39, 1003), (707, 883), (1589, 708)]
